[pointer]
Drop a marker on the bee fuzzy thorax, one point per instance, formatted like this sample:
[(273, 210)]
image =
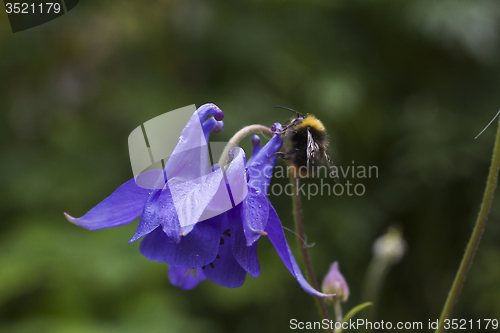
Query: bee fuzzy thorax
[(311, 121)]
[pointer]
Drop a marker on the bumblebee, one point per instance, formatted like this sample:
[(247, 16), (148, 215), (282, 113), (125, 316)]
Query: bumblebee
[(308, 139)]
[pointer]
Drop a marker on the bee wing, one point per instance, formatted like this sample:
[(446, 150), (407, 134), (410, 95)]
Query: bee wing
[(312, 146), (332, 166)]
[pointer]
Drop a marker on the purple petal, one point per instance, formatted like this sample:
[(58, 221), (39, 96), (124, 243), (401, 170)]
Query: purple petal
[(226, 271), (178, 278), (219, 126), (275, 233), (209, 109), (190, 182), (211, 124), (159, 209), (123, 206), (261, 167), (189, 160), (254, 214), (179, 213), (220, 202), (196, 249), (245, 255), (256, 147), (179, 204), (191, 197), (236, 176)]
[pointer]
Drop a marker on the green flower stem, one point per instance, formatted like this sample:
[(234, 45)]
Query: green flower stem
[(475, 237), (299, 229), (337, 307), (233, 142), (352, 313), (374, 278)]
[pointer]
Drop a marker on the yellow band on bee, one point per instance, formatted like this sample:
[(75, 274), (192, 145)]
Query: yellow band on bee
[(313, 122)]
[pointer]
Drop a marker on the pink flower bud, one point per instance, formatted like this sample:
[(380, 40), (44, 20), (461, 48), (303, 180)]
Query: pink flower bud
[(334, 283)]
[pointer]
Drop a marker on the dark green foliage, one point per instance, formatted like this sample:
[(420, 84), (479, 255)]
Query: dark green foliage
[(401, 85)]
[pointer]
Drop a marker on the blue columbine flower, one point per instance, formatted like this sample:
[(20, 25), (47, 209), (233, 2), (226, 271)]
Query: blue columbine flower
[(187, 217)]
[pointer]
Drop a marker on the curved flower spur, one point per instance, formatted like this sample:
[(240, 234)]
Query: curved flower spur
[(203, 222)]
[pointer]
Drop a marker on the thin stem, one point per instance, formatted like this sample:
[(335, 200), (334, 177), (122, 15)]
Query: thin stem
[(233, 142), (475, 237), (299, 229), (375, 275), (337, 307)]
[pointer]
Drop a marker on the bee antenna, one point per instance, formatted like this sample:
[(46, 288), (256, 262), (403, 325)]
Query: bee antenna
[(284, 107)]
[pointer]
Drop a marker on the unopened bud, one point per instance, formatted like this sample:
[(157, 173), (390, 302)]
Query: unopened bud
[(390, 247), (334, 283)]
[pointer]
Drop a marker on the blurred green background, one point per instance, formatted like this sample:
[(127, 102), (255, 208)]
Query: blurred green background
[(401, 85)]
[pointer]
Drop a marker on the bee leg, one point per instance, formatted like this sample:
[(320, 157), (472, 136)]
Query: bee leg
[(283, 130), (291, 125), (286, 156), (332, 166), (279, 154)]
